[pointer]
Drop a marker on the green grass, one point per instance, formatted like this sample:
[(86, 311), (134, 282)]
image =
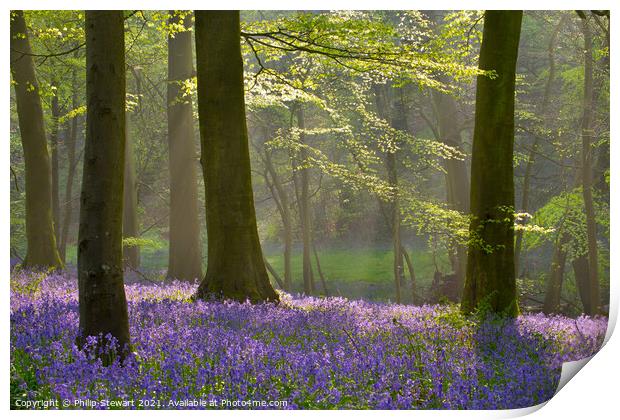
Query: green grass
[(361, 272), (350, 272)]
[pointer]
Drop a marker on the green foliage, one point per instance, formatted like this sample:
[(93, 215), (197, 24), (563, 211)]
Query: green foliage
[(565, 214), (140, 242), (387, 45), (30, 286), (455, 318)]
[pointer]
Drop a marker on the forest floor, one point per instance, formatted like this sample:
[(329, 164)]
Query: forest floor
[(303, 353)]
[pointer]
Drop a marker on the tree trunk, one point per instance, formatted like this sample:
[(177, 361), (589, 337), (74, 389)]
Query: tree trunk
[(274, 273), (55, 168), (282, 201), (457, 179), (70, 146), (410, 267), (390, 162), (185, 246), (235, 267), (304, 208), (40, 234), (582, 279), (131, 254), (490, 277), (587, 136), (319, 270), (131, 224), (397, 121), (103, 307), (556, 277), (525, 202)]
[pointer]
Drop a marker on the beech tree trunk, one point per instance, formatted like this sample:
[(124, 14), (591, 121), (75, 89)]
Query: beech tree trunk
[(390, 162), (131, 224), (490, 277), (103, 307), (185, 246), (399, 122), (587, 137), (55, 167), (395, 116), (457, 179), (131, 254), (448, 131), (304, 210), (70, 146), (235, 267), (319, 270), (414, 295), (282, 203), (582, 278), (40, 236), (556, 277)]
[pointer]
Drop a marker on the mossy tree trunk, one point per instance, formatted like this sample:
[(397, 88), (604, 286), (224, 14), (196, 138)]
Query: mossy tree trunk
[(103, 307), (40, 236), (185, 247), (490, 277), (235, 267), (587, 137)]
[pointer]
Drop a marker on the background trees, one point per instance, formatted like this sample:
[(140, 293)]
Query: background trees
[(335, 169)]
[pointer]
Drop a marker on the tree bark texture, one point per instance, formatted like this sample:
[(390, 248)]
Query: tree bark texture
[(587, 137), (131, 225), (235, 266), (103, 306), (54, 140), (556, 277), (70, 146), (490, 277), (40, 236), (185, 246), (304, 209)]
